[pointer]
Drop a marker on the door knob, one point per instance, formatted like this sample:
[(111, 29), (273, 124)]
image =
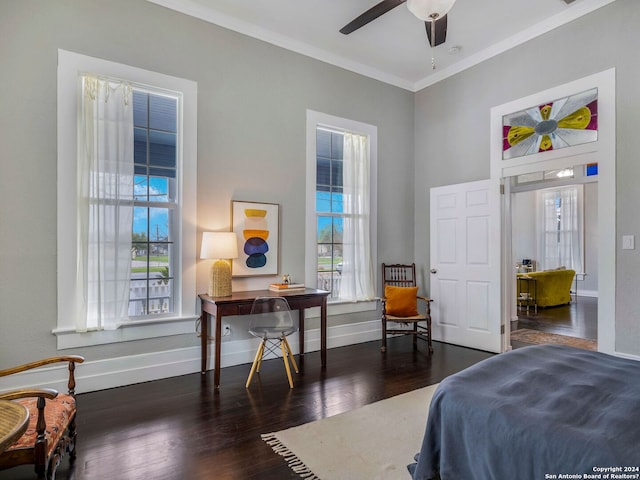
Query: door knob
[(434, 271)]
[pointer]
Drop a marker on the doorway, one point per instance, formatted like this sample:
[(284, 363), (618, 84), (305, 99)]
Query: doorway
[(603, 152), (574, 322)]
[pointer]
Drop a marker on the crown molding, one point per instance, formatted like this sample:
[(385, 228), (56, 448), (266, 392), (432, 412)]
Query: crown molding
[(194, 9)]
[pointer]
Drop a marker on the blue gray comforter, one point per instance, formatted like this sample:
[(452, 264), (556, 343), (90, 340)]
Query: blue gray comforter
[(532, 414)]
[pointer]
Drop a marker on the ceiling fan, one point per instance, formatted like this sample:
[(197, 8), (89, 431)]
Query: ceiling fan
[(432, 12)]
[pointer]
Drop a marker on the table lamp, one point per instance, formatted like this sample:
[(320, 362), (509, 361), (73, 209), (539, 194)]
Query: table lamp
[(221, 247)]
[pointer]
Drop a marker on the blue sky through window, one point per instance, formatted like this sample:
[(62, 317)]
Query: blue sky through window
[(327, 202)]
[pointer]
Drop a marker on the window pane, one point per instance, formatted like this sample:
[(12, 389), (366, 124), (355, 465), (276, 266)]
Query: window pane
[(323, 171), (159, 224), (160, 300), (140, 222), (140, 187), (337, 142), (137, 298), (162, 149), (163, 172), (140, 108), (323, 143), (336, 173), (139, 251), (159, 189), (337, 205), (325, 232), (152, 261), (323, 202), (162, 113), (140, 146), (338, 223)]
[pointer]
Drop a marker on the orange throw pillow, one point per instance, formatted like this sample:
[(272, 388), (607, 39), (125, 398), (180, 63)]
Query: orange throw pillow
[(401, 301)]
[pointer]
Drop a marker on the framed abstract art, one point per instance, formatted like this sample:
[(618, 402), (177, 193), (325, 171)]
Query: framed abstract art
[(256, 226)]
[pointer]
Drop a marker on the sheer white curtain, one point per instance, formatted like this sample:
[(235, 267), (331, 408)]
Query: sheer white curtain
[(561, 228), (357, 282), (105, 204)]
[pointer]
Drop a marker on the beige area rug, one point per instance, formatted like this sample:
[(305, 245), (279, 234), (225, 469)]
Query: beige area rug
[(536, 337), (376, 441)]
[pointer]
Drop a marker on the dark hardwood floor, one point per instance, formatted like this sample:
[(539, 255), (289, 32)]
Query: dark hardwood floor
[(577, 319), (180, 428)]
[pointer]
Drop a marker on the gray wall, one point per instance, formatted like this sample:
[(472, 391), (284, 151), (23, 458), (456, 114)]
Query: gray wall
[(252, 101), (452, 127)]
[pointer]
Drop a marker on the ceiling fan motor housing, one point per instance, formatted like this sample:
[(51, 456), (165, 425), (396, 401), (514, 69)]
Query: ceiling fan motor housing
[(429, 10)]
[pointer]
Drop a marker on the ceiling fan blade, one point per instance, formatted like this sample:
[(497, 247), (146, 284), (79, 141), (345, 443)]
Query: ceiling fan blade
[(436, 31), (370, 15)]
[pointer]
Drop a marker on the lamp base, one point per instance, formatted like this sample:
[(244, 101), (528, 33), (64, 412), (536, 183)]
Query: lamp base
[(220, 279)]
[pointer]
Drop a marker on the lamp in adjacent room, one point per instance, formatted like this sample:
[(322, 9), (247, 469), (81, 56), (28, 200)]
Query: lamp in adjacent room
[(221, 247)]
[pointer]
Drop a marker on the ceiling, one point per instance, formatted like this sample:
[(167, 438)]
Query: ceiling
[(393, 48)]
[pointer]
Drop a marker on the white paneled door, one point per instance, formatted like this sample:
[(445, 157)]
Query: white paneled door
[(465, 264)]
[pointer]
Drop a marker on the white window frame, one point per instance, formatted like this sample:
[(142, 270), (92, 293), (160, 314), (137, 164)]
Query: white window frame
[(315, 120), (70, 66)]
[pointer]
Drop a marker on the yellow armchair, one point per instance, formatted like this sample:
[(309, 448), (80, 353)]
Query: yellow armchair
[(552, 287)]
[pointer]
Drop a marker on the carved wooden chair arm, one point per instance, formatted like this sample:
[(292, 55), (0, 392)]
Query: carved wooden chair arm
[(39, 363), (426, 299), (71, 359), (49, 393)]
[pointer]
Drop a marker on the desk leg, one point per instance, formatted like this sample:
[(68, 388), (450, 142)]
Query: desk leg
[(204, 334), (301, 331), (216, 374), (323, 332)]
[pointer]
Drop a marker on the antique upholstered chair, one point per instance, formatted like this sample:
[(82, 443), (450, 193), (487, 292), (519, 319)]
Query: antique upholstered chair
[(52, 421), (401, 304), (271, 321)]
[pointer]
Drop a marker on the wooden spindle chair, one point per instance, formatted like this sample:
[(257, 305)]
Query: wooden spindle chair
[(401, 305)]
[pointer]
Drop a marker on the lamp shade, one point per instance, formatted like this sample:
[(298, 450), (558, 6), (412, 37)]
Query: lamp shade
[(219, 245), (429, 10)]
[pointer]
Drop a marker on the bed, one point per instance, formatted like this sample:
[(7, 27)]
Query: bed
[(535, 413)]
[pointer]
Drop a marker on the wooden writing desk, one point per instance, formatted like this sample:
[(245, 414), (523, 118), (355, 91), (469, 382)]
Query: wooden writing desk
[(239, 303)]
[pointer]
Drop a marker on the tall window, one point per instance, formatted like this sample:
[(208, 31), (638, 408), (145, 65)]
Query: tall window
[(155, 203), (126, 202), (561, 228), (329, 209), (341, 222)]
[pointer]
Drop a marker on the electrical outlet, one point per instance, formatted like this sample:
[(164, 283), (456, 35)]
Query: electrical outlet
[(226, 330)]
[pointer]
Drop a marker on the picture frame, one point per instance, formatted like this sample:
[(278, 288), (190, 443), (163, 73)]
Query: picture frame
[(257, 228)]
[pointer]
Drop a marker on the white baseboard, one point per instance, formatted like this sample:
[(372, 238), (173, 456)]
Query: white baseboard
[(588, 293), (116, 372)]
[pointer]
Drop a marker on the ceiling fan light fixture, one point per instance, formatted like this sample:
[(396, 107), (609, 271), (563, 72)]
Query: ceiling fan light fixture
[(429, 10)]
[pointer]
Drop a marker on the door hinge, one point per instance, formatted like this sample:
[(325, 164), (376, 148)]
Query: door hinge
[(502, 329), (502, 189)]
